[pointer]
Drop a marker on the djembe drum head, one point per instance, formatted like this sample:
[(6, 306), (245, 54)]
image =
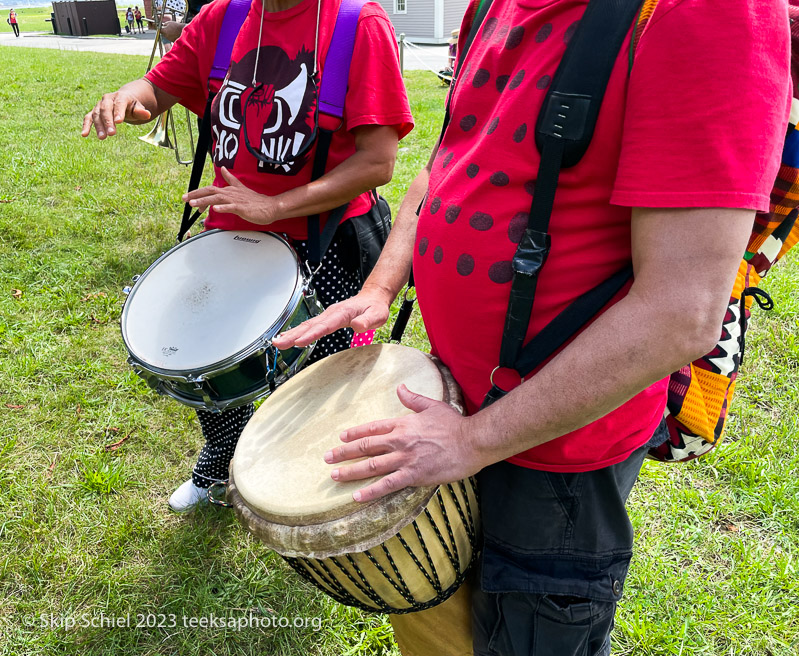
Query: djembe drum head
[(404, 552)]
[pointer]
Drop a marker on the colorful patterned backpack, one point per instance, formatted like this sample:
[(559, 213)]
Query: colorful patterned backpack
[(700, 393)]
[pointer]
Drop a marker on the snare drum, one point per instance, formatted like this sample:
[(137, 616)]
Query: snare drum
[(406, 552), (198, 323)]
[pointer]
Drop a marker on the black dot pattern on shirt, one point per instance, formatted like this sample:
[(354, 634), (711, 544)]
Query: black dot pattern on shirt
[(529, 187), (435, 205), (481, 221), (481, 77), (472, 170), (438, 254), (502, 82), (488, 29), (543, 34), (493, 125), (517, 226), (499, 179), (520, 133), (570, 31), (424, 242), (468, 122), (501, 272), (517, 79), (452, 213), (543, 82), (465, 264), (515, 37), (334, 282), (447, 160)]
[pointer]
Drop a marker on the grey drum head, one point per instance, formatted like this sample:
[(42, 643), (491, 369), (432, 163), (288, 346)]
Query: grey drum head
[(209, 298)]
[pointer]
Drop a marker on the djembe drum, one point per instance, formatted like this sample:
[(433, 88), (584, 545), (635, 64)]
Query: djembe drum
[(406, 552)]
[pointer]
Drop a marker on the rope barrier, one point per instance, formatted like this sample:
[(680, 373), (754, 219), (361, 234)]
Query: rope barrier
[(422, 61)]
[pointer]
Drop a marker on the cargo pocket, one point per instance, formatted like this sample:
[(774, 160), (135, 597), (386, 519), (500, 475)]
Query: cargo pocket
[(567, 626), (518, 624)]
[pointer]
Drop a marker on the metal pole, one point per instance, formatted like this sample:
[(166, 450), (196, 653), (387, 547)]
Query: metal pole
[(402, 53)]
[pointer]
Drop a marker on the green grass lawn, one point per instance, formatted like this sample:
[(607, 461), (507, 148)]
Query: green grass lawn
[(85, 532)]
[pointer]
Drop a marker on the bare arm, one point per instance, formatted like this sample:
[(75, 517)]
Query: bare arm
[(136, 102), (370, 308), (666, 320), (370, 166), (172, 30)]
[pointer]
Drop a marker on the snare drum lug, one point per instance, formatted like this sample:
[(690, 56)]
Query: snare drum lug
[(135, 278), (126, 289)]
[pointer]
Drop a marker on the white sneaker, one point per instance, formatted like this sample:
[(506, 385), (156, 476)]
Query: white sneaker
[(187, 496)]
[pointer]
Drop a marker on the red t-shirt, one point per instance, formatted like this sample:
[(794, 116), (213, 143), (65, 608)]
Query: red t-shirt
[(698, 123), (282, 122)]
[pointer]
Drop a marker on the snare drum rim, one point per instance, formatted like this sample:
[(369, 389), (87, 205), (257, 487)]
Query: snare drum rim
[(301, 289)]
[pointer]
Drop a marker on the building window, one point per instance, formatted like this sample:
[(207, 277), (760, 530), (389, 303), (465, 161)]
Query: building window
[(400, 7)]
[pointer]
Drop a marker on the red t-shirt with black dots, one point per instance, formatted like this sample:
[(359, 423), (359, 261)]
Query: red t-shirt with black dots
[(697, 123)]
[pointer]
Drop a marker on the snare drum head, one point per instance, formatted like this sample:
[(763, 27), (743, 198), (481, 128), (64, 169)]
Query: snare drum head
[(279, 466), (209, 298)]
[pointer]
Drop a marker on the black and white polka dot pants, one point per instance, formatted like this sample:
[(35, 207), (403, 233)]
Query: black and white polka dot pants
[(334, 282)]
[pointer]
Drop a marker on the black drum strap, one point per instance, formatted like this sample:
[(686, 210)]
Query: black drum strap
[(563, 134), (319, 240), (201, 150)]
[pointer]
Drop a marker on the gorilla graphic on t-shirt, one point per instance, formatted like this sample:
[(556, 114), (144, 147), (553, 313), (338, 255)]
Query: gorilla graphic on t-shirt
[(279, 113)]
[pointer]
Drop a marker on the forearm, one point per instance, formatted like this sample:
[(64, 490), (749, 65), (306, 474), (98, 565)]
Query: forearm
[(394, 266), (369, 309), (664, 322), (623, 352)]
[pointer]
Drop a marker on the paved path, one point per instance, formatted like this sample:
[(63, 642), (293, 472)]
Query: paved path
[(125, 45), (416, 58)]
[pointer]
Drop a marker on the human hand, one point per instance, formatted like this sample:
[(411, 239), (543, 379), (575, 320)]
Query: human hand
[(367, 310), (431, 447), (234, 199), (112, 109), (171, 30)]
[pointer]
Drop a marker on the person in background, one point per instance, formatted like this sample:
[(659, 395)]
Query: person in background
[(139, 23), (452, 52), (12, 21), (279, 47), (129, 19)]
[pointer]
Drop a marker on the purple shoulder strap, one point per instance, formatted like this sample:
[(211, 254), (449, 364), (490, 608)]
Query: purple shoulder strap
[(335, 76), (333, 89), (231, 24)]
